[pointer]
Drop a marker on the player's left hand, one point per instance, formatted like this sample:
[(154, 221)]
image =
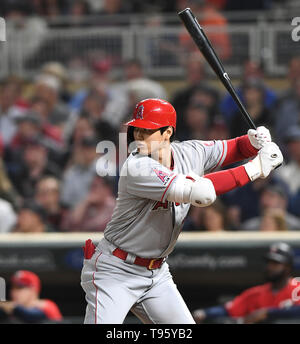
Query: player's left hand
[(259, 137), (256, 316)]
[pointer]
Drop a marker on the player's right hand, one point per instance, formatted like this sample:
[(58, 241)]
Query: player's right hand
[(267, 159), (259, 137)]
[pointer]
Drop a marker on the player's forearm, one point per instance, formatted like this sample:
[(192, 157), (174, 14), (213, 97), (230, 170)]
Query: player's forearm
[(228, 180), (268, 158), (238, 149)]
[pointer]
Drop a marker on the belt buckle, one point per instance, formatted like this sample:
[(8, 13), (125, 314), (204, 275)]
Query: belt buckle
[(150, 266)]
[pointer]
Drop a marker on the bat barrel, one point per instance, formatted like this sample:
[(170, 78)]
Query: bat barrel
[(203, 43)]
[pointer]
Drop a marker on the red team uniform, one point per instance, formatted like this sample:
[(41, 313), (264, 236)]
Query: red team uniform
[(262, 296)]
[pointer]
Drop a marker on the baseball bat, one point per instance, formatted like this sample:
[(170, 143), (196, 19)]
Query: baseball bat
[(203, 43)]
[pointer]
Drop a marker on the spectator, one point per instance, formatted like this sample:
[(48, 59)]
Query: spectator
[(287, 108), (266, 302), (215, 218), (243, 204), (30, 127), (47, 89), (83, 127), (196, 83), (8, 217), (11, 107), (30, 30), (25, 305), (47, 195), (194, 220), (58, 70), (290, 172), (293, 75), (273, 197), (78, 176), (209, 219), (32, 219), (33, 164), (90, 118), (197, 120), (116, 101), (94, 212), (273, 220), (218, 130), (138, 85), (253, 92), (163, 50), (251, 70)]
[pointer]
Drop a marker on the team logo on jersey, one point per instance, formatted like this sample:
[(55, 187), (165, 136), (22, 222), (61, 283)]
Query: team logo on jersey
[(161, 205), (140, 112), (163, 176)]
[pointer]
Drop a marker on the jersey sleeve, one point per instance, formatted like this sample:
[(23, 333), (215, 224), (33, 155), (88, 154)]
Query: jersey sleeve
[(146, 178), (239, 306), (210, 154), (51, 310)]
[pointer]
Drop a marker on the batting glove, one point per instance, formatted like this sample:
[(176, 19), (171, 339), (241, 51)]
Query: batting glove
[(267, 159), (259, 137)]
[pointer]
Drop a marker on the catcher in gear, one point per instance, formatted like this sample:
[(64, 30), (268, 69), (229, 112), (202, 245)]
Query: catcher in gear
[(158, 183)]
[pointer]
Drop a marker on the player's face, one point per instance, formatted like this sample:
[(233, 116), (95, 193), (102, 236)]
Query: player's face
[(150, 141), (275, 271), (21, 295)]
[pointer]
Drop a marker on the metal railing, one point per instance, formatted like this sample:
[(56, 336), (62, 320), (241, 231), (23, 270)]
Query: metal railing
[(159, 48)]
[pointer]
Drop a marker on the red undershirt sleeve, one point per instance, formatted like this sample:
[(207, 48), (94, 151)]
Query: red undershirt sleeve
[(238, 149), (228, 180)]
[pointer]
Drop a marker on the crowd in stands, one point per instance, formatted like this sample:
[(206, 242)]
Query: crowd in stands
[(77, 8), (50, 178)]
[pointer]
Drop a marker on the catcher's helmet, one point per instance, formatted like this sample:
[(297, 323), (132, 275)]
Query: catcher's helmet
[(153, 113), (281, 253)]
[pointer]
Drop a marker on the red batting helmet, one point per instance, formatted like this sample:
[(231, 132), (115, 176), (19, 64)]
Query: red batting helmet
[(153, 114)]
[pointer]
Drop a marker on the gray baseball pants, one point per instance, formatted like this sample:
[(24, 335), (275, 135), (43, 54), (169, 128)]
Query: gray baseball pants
[(113, 287)]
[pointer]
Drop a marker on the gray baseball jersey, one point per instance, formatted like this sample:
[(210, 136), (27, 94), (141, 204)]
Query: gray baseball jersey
[(143, 222)]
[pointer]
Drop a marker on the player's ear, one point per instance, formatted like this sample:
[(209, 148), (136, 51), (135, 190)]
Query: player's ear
[(169, 132)]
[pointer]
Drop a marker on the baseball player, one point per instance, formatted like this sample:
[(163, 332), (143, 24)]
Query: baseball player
[(158, 183), (278, 298)]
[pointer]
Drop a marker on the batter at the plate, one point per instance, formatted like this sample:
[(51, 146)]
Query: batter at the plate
[(159, 182)]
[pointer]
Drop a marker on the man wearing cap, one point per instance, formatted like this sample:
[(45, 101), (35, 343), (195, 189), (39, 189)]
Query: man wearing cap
[(25, 305), (84, 161), (278, 298)]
